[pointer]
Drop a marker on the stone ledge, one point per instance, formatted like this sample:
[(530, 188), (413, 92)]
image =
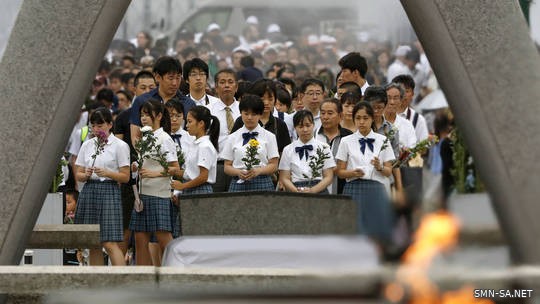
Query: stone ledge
[(64, 236)]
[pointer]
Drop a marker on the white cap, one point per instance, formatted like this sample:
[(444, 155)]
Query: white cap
[(241, 48), (252, 20), (213, 27), (402, 50), (273, 28), (313, 39)]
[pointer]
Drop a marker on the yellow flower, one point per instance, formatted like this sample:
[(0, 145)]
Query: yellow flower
[(253, 143)]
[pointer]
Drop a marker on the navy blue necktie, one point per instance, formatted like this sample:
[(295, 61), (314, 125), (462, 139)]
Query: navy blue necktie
[(176, 138), (249, 135), (368, 141), (303, 150)]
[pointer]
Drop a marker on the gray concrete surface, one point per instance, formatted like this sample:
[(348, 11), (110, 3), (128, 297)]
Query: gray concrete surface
[(489, 70), (53, 52), (266, 213)]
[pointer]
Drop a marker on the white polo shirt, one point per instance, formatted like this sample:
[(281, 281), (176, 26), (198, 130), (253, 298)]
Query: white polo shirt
[(349, 152), (290, 160), (407, 135), (420, 130), (114, 156), (201, 154), (218, 109), (235, 150)]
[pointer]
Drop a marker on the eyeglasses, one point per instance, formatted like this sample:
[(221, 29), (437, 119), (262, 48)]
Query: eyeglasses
[(195, 74), (176, 116)]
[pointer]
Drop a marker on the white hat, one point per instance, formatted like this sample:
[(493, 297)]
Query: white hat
[(327, 39), (241, 48), (313, 39), (213, 27), (402, 50), (273, 28), (252, 20)]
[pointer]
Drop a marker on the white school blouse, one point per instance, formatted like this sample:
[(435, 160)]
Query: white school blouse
[(349, 152), (234, 149), (201, 154), (114, 156), (290, 160), (159, 186), (186, 140)]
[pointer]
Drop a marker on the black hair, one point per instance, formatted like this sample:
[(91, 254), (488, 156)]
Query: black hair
[(211, 123), (364, 105), (167, 64), (405, 80), (413, 55), (195, 63), (285, 69), (290, 82), (263, 86), (351, 86), (284, 97), (116, 73), (247, 61), (350, 97), (252, 103), (153, 106), (71, 191), (176, 104), (335, 101), (188, 51), (143, 75), (106, 95), (376, 94), (125, 77), (128, 95), (299, 117), (130, 58), (225, 71), (311, 81), (100, 116), (243, 86), (354, 62)]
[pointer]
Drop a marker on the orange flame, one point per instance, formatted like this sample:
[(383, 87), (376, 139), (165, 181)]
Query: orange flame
[(438, 232)]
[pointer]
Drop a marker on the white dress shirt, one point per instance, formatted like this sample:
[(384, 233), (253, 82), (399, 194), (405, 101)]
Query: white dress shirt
[(114, 156), (407, 135), (234, 149), (349, 151), (290, 160), (201, 154), (420, 130), (218, 109), (202, 101)]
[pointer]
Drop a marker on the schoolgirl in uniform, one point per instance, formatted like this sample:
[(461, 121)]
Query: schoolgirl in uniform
[(201, 157), (365, 161), (155, 186), (259, 177), (100, 201), (295, 174)]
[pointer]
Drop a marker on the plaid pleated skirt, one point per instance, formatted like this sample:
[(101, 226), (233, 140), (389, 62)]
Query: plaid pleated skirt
[(374, 210), (201, 189), (155, 216), (310, 184), (259, 183), (100, 203)]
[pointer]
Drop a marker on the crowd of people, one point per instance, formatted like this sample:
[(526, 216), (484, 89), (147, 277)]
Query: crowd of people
[(327, 115)]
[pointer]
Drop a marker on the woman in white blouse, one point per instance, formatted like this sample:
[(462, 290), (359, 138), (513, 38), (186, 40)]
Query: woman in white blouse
[(364, 159), (102, 170), (295, 172), (201, 156), (258, 178)]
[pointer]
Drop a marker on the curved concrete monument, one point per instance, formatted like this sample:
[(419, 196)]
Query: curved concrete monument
[(45, 73), (489, 69)]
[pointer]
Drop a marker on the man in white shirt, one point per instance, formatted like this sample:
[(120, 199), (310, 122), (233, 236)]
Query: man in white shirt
[(354, 68), (226, 110), (407, 135), (196, 76), (399, 67), (418, 121), (312, 95)]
